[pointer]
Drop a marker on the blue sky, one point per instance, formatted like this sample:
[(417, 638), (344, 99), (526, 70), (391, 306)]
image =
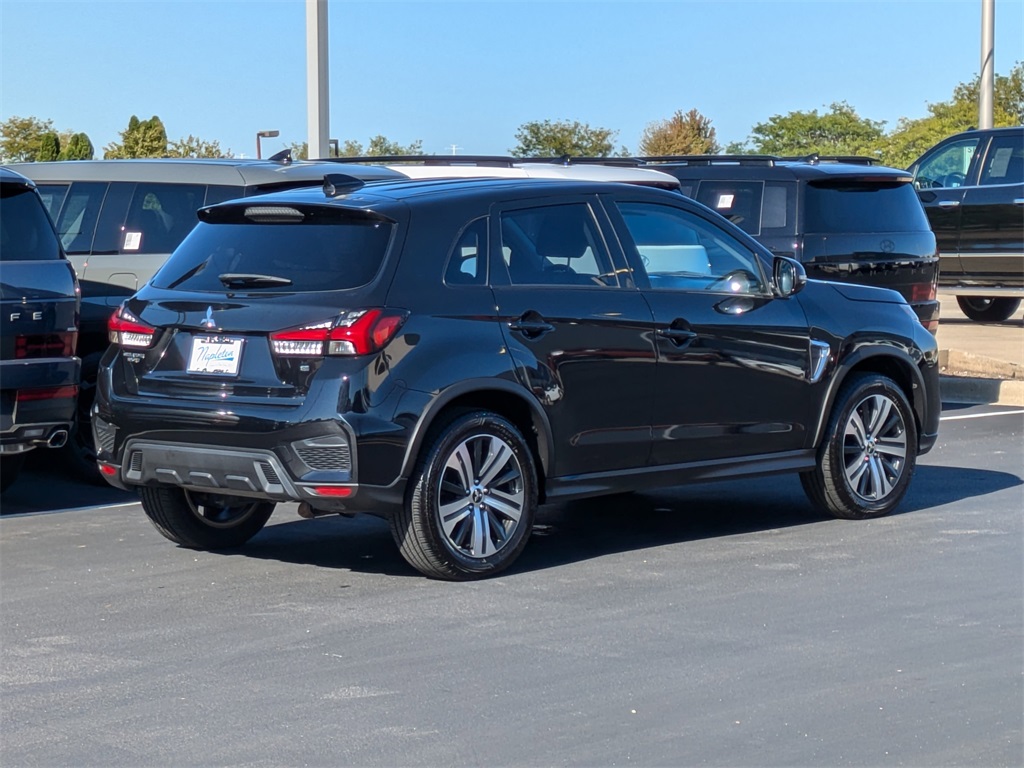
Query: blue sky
[(470, 73)]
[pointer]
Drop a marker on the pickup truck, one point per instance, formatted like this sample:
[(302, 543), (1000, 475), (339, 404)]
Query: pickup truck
[(972, 188)]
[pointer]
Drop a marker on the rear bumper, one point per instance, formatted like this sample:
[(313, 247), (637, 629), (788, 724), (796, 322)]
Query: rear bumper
[(248, 472)]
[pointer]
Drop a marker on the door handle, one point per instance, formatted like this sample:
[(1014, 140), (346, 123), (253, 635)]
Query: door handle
[(530, 328), (949, 204), (678, 336)]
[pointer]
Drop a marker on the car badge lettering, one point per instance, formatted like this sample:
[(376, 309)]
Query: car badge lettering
[(208, 320)]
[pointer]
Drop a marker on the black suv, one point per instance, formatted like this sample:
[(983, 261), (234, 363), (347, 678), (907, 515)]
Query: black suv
[(972, 187), (843, 218), (449, 354), (38, 328)]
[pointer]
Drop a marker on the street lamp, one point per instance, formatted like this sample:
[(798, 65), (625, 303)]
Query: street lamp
[(264, 135)]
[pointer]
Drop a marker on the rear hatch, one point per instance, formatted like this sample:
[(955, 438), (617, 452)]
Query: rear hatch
[(254, 301), (871, 231)]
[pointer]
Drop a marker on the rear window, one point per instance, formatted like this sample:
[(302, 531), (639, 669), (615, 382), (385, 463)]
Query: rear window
[(862, 206), (26, 233), (268, 257)]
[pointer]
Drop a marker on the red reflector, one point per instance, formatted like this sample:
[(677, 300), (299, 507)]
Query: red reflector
[(331, 490), (47, 393), (107, 469)]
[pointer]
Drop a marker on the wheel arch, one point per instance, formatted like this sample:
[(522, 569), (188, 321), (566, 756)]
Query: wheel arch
[(887, 361), (504, 398)]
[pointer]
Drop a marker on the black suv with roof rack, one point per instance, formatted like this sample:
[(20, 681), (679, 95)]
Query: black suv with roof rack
[(38, 329), (449, 354), (972, 187), (843, 217)]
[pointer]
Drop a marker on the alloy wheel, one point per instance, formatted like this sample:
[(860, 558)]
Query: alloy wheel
[(874, 448)]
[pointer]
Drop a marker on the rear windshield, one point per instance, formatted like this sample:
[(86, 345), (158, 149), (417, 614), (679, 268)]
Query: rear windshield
[(298, 257), (26, 233), (862, 206)]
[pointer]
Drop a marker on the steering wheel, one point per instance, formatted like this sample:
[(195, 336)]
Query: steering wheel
[(954, 179)]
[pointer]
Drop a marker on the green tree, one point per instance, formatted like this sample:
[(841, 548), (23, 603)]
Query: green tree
[(76, 147), (561, 137), (49, 147), (912, 137), (142, 138), (20, 138), (840, 131), (193, 146), (688, 133)]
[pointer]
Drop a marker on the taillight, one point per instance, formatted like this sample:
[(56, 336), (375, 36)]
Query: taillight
[(358, 332), (60, 344), (923, 292), (126, 330)]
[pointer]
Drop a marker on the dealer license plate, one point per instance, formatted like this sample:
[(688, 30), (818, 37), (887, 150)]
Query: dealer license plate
[(215, 355)]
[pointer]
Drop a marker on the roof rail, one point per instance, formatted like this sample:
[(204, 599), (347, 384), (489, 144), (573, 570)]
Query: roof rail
[(491, 161), (768, 160), (627, 162), (814, 158)]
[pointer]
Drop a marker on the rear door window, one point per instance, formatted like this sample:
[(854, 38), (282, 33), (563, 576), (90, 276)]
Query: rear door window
[(862, 206), (1004, 163), (555, 245), (325, 252), (160, 216), (738, 201), (53, 196)]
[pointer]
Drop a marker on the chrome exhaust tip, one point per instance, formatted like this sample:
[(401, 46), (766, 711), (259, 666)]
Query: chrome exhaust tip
[(58, 439)]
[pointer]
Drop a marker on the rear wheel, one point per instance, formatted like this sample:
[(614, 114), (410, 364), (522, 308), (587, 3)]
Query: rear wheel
[(869, 453), (204, 520), (987, 309), (470, 506)]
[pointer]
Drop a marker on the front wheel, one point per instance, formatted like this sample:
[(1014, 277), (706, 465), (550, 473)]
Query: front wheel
[(204, 520), (869, 452), (471, 502), (987, 309)]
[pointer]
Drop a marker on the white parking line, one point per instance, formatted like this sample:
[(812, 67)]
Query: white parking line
[(979, 415)]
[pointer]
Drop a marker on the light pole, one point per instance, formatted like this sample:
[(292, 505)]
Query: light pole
[(263, 135), (986, 80)]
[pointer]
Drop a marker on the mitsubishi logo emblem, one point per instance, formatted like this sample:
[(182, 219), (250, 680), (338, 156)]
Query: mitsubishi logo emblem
[(208, 320)]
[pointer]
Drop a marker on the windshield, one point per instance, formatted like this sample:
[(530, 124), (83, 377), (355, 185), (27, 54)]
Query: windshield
[(292, 257)]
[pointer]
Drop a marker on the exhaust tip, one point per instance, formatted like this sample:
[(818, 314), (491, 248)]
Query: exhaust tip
[(58, 439)]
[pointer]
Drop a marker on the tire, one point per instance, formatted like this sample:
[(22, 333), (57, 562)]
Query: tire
[(204, 520), (79, 455), (987, 309), (869, 451), (489, 514), (10, 466)]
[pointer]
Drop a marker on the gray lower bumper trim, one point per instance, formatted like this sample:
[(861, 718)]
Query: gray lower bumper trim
[(239, 472)]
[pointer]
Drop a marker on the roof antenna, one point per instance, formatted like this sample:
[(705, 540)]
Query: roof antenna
[(284, 157)]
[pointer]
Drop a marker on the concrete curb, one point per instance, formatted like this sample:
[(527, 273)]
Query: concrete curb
[(979, 391), (969, 378)]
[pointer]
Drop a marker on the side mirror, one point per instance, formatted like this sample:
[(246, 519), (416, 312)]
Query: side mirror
[(788, 275)]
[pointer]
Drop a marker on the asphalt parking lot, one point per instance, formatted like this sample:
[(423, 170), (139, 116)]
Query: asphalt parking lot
[(713, 624), (718, 624)]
